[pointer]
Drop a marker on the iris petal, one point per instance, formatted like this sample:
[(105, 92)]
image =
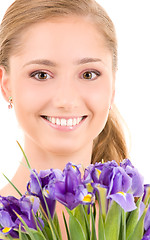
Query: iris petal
[(125, 200)]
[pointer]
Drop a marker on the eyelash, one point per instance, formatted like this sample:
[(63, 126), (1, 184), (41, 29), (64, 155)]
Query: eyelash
[(33, 75), (97, 74)]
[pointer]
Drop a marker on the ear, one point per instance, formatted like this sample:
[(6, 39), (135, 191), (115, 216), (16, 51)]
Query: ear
[(5, 83), (113, 88), (113, 97)]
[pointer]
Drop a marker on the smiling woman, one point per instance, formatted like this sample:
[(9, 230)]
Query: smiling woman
[(58, 63), (62, 90)]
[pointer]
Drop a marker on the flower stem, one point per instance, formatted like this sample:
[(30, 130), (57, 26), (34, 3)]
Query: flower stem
[(123, 225)]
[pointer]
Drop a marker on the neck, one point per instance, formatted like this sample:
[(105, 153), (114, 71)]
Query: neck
[(41, 159)]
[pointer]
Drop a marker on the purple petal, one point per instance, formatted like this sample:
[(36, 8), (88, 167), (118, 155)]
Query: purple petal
[(141, 209), (147, 219), (33, 185), (125, 163), (5, 219), (146, 235), (35, 201), (137, 180), (120, 181), (125, 200), (146, 194)]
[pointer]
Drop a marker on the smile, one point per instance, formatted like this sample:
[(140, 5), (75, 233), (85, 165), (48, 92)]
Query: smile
[(64, 122)]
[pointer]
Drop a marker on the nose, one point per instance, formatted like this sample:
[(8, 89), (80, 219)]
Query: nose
[(66, 96)]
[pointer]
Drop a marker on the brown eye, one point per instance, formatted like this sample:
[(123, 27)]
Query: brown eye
[(40, 75), (87, 75), (91, 75)]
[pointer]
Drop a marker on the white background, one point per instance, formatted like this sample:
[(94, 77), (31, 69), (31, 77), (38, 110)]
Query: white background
[(132, 21)]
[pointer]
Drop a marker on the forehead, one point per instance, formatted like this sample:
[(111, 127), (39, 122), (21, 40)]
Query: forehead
[(72, 37)]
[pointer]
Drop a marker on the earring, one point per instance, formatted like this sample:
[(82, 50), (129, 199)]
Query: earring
[(10, 103)]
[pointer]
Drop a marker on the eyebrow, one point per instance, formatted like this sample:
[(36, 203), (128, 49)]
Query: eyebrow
[(53, 64), (88, 60)]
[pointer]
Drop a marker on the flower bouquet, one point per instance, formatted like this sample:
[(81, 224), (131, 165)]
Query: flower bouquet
[(109, 201)]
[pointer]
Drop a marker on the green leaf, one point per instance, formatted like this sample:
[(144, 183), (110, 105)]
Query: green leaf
[(22, 236), (93, 231), (139, 229), (101, 229), (13, 185), (28, 164), (49, 235), (37, 235), (113, 220), (80, 214), (101, 219), (102, 201), (66, 226), (50, 222), (123, 225), (87, 220), (56, 223), (76, 231), (132, 220)]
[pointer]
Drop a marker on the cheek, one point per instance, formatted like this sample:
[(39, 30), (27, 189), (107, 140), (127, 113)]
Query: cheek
[(27, 97), (100, 98)]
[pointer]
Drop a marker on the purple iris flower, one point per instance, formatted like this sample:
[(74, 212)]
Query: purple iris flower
[(68, 188), (9, 221), (36, 185), (108, 175), (118, 180), (137, 186)]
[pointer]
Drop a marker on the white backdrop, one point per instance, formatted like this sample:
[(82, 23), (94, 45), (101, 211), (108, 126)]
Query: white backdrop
[(132, 21)]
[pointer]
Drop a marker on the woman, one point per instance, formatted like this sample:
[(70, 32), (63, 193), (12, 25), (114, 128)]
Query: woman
[(58, 61)]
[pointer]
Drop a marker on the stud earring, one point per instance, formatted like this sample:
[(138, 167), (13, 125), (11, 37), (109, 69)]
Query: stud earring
[(10, 103)]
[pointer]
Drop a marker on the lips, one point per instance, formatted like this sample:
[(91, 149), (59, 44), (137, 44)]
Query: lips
[(64, 122)]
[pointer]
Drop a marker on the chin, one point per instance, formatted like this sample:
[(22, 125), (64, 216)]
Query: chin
[(63, 149)]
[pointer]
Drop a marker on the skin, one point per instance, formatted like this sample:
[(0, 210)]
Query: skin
[(77, 80)]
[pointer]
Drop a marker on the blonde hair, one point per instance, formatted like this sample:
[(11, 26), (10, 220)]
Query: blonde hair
[(110, 143)]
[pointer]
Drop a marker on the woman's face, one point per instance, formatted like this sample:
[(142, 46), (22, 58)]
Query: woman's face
[(62, 84)]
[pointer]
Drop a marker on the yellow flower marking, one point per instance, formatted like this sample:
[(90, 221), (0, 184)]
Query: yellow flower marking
[(87, 198), (47, 191), (74, 167), (6, 229), (32, 199), (98, 172), (122, 193)]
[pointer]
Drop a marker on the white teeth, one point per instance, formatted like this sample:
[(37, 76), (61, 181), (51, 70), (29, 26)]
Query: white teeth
[(69, 122), (65, 122), (74, 122), (57, 121), (53, 120)]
